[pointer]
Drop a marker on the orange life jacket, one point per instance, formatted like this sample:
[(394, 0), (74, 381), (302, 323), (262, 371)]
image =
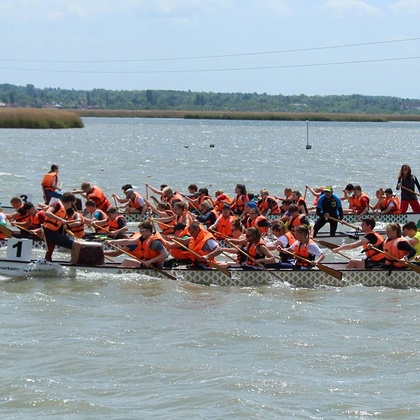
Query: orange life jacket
[(21, 218), (221, 200), (175, 198), (391, 247), (138, 251), (293, 222), (49, 180), (79, 230), (371, 254), (167, 228), (224, 226), (198, 243), (269, 203), (356, 203), (113, 224), (179, 252), (302, 251), (252, 251), (35, 221), (185, 217), (150, 253), (255, 222), (53, 224), (396, 208), (239, 204), (105, 227), (135, 203), (100, 199)]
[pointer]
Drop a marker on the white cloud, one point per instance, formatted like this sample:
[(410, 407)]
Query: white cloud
[(406, 6), (33, 10), (352, 7)]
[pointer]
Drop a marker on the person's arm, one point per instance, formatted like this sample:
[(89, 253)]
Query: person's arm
[(405, 246), (215, 249), (352, 245), (156, 245), (215, 224), (268, 256), (155, 190), (122, 227), (317, 252)]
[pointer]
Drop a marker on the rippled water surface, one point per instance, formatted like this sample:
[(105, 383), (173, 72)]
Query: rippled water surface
[(100, 346)]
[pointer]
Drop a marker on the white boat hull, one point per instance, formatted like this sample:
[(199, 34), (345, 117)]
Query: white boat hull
[(238, 277)]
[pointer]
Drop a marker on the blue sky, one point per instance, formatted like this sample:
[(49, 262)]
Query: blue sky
[(311, 47)]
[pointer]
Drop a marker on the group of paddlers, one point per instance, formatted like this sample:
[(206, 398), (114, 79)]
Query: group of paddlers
[(185, 228)]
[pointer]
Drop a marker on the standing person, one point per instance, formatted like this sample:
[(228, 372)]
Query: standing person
[(407, 181), (54, 228), (373, 258), (328, 204), (50, 186), (94, 193)]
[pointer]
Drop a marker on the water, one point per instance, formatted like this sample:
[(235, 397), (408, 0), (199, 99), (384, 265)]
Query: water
[(112, 347)]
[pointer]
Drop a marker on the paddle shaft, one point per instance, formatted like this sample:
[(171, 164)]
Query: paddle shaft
[(391, 257), (214, 265), (408, 189), (331, 246), (253, 259), (158, 270), (328, 270), (343, 222)]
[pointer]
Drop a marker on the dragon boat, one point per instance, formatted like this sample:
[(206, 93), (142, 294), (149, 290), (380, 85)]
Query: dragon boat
[(19, 263)]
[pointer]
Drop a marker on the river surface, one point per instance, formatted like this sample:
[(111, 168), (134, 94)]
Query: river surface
[(122, 347)]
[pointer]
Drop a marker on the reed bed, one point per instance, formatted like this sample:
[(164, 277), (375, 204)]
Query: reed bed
[(231, 115), (39, 118)]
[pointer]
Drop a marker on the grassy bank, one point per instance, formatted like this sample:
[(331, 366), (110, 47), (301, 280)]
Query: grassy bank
[(230, 115), (38, 118)]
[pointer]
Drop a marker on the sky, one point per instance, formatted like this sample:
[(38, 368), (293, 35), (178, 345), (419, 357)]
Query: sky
[(288, 47)]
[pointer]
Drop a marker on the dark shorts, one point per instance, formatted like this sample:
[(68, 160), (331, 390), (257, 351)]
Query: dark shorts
[(57, 238), (374, 264)]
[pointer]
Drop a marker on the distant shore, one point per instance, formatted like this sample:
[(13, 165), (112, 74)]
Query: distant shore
[(231, 115), (58, 118), (39, 118)]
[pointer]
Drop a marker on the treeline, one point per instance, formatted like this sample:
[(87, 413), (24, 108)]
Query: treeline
[(103, 99)]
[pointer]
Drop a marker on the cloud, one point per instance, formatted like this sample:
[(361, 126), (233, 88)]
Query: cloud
[(352, 7), (32, 10), (406, 6)]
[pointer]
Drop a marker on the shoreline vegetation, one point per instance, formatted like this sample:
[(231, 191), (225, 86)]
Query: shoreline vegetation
[(58, 118), (236, 115), (39, 118)]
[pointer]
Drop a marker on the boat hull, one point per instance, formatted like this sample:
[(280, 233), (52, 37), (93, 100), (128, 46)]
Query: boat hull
[(238, 277)]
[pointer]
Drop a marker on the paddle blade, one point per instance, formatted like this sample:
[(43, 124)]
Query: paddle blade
[(6, 231), (328, 245), (335, 273)]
